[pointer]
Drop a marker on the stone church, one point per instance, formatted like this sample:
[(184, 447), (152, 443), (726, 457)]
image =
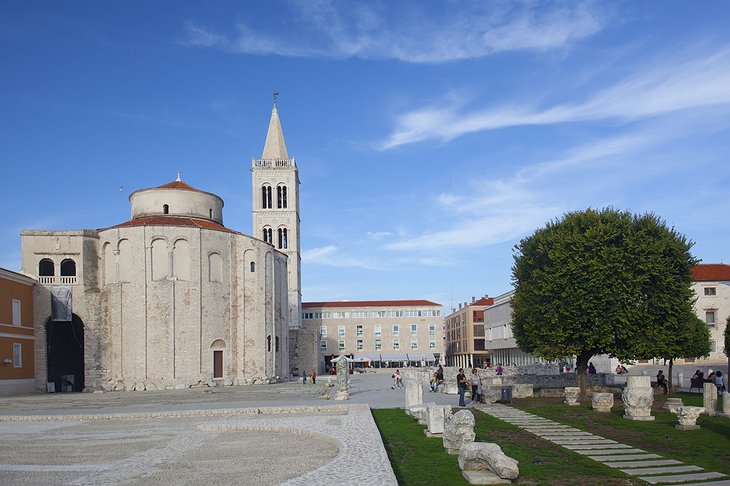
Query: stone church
[(172, 298)]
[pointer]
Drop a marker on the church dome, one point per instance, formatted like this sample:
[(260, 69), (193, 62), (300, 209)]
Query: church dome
[(176, 199)]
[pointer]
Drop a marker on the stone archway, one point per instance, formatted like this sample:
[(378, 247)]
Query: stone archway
[(65, 354)]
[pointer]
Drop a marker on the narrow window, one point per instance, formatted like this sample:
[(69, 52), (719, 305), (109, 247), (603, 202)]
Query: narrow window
[(358, 330), (341, 345), (253, 267), (378, 330), (414, 343), (263, 197), (378, 345), (285, 244), (268, 197), (360, 345), (396, 345), (210, 213), (323, 344), (283, 196), (165, 209), (17, 355), (341, 331), (414, 329), (268, 343), (277, 344), (46, 268), (396, 330), (217, 364), (278, 197), (323, 331), (268, 235), (281, 239), (16, 313), (710, 318)]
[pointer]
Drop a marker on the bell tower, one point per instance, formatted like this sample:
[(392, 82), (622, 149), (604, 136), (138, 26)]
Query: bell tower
[(275, 192)]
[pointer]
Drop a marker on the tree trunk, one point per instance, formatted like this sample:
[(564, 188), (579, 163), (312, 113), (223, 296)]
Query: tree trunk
[(670, 385), (581, 371)]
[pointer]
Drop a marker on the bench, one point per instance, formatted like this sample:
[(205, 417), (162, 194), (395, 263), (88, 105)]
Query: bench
[(698, 383)]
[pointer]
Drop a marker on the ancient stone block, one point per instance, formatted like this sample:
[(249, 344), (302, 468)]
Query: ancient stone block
[(602, 402), (488, 457), (458, 430), (687, 417), (710, 398), (436, 417), (638, 397), (572, 393), (672, 403), (414, 393)]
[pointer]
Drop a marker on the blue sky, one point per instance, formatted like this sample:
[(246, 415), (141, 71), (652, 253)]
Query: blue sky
[(430, 136)]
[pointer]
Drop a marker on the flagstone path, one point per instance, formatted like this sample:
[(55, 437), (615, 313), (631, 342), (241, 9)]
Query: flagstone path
[(652, 468)]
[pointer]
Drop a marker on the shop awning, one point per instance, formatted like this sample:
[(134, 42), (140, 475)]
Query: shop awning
[(394, 357)]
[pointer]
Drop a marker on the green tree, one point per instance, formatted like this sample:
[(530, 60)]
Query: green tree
[(601, 282), (690, 340)]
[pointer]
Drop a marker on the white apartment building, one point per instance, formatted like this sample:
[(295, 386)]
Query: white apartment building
[(712, 287), (393, 333)]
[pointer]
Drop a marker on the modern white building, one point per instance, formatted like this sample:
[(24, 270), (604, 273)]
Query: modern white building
[(712, 288), (382, 333)]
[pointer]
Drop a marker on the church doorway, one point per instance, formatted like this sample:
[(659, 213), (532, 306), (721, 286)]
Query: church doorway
[(65, 354)]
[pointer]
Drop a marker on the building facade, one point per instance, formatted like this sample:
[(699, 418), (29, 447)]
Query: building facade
[(712, 288), (381, 333), (464, 331), (17, 335), (500, 342), (172, 298)]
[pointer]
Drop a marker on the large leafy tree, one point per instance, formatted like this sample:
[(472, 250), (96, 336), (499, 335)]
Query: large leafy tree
[(601, 282), (690, 340)]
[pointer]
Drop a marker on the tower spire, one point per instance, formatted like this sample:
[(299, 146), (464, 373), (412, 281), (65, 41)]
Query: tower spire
[(275, 146)]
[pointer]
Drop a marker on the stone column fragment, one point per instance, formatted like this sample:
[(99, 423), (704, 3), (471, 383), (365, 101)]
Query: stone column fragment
[(414, 393), (638, 397), (710, 398), (572, 393), (602, 402)]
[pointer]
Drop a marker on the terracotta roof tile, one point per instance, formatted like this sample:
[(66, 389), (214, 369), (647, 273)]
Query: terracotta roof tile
[(178, 185), (705, 272), (371, 303), (174, 221)]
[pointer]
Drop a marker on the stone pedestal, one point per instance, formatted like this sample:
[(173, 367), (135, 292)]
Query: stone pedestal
[(414, 393), (687, 417), (638, 397), (710, 398), (572, 393), (680, 380), (602, 402), (672, 403), (435, 419), (342, 385), (458, 430)]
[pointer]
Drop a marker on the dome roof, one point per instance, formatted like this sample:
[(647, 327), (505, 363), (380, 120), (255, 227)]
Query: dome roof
[(176, 199)]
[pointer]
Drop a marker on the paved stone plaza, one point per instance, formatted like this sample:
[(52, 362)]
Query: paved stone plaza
[(284, 433)]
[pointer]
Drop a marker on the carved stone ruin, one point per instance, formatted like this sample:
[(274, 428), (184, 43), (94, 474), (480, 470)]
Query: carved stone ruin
[(602, 402), (450, 388), (672, 403), (572, 393), (414, 393), (710, 398), (435, 419), (726, 404), (458, 430), (522, 390), (342, 385), (418, 412), (638, 397), (491, 393), (687, 417), (485, 463)]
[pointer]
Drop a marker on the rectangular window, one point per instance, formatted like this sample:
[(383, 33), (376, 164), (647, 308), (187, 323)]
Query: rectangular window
[(358, 330), (432, 344), (432, 329), (713, 345), (323, 345), (414, 343), (378, 345), (710, 318), (323, 331), (17, 355), (341, 331), (414, 328), (16, 313), (396, 345), (710, 291), (378, 330), (396, 330), (360, 345), (341, 345)]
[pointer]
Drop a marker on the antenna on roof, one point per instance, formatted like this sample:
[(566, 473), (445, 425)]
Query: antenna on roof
[(178, 176)]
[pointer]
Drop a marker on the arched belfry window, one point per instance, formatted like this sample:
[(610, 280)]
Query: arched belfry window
[(268, 237), (46, 268), (281, 197), (165, 209), (282, 238), (266, 197), (68, 268)]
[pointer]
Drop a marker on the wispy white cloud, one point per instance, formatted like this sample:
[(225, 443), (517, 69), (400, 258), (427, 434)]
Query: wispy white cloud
[(691, 79), (413, 31)]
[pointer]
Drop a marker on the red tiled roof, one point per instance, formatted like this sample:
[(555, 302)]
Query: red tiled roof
[(706, 272), (371, 303), (178, 185), (483, 301), (174, 221)]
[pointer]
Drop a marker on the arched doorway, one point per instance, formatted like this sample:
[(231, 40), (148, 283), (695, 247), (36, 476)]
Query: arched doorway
[(65, 354)]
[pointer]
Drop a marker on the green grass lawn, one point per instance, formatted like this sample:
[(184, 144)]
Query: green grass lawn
[(419, 460), (708, 447)]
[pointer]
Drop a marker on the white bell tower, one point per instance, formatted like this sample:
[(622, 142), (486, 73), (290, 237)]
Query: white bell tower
[(276, 208)]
